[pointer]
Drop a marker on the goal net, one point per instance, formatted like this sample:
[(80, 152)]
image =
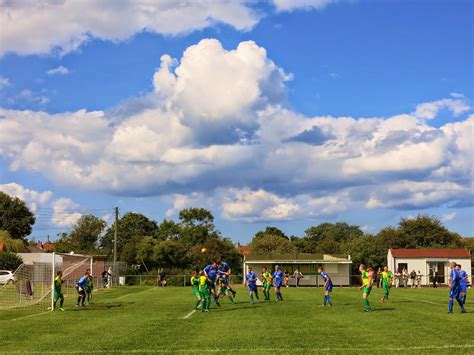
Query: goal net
[(33, 281)]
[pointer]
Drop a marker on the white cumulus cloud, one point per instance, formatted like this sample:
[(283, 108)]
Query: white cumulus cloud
[(58, 71), (43, 26)]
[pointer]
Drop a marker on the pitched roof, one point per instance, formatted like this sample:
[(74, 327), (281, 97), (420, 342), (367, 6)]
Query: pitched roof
[(431, 253)]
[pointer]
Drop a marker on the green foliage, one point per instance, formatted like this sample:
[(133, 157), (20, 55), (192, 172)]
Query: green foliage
[(271, 241), (10, 244), (83, 237), (130, 225), (15, 217), (197, 226), (10, 261)]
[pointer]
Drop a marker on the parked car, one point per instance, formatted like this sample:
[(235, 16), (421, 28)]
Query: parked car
[(6, 277)]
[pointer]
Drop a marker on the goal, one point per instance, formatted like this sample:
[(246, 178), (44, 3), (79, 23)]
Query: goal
[(33, 281)]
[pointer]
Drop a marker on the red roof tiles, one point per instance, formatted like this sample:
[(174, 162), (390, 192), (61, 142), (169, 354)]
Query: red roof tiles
[(431, 253)]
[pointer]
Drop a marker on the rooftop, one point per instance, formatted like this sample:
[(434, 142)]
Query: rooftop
[(432, 253)]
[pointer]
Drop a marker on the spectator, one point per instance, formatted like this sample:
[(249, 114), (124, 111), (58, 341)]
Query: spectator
[(405, 277), (397, 279), (435, 279), (109, 277), (286, 279), (162, 275), (104, 278), (418, 279), (413, 278), (298, 276)]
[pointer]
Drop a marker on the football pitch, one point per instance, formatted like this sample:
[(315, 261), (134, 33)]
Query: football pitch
[(145, 320)]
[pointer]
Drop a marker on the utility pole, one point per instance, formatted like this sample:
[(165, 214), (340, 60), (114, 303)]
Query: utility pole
[(115, 243)]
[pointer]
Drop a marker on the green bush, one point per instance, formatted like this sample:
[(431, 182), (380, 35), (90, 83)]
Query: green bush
[(10, 261)]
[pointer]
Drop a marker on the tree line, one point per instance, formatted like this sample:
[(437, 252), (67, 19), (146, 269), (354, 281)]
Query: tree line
[(146, 245)]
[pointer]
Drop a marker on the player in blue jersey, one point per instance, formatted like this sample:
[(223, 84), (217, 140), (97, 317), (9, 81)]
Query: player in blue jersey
[(462, 283), (251, 281), (81, 287), (454, 288), (278, 277), (224, 268), (210, 271), (327, 285)]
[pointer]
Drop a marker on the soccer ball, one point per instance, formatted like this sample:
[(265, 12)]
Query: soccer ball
[(203, 250)]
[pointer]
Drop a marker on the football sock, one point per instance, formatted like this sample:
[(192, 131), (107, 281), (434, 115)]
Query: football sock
[(451, 303), (366, 303)]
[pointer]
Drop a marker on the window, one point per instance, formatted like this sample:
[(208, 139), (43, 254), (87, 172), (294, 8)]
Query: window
[(402, 266)]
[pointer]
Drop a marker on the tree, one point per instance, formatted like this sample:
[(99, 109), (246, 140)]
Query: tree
[(10, 261), (197, 226), (171, 253), (328, 238), (84, 235), (130, 225), (10, 244), (15, 217), (168, 230), (270, 231), (266, 244)]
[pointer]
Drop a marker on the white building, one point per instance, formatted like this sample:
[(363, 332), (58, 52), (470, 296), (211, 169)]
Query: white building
[(428, 261), (337, 267)]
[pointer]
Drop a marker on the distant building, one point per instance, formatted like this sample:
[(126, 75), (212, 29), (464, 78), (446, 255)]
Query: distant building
[(429, 261), (338, 267)]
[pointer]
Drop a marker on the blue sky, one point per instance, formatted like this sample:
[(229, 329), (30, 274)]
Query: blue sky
[(387, 86)]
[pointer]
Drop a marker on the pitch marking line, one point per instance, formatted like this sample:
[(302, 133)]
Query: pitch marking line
[(414, 299), (189, 314), (32, 315)]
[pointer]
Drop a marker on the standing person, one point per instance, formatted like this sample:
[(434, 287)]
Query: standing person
[(223, 287), (162, 275), (104, 278), (226, 270), (327, 286), (462, 283), (379, 278), (109, 277), (251, 280), (267, 283), (287, 278), (204, 289), (405, 278), (435, 279), (210, 271), (58, 294), (278, 277), (195, 288), (367, 281), (397, 279), (81, 286), (413, 278), (454, 288), (90, 286), (418, 279), (387, 277), (298, 275)]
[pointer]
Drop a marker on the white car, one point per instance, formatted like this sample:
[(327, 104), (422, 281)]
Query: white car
[(6, 277)]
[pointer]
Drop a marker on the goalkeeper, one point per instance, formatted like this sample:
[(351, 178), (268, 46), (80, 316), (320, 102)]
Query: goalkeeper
[(81, 287)]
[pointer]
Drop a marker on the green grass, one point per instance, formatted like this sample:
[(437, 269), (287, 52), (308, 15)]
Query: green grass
[(143, 319)]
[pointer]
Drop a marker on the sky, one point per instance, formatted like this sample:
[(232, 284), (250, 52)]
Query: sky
[(287, 113)]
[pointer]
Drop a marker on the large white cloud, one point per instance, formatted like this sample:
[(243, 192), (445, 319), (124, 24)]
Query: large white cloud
[(40, 26), (61, 212), (215, 127)]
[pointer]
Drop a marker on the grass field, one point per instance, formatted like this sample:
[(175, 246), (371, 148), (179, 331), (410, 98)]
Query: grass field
[(144, 320)]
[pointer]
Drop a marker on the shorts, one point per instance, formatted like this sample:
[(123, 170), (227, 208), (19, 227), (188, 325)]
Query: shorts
[(454, 292), (58, 295), (367, 290), (267, 286), (212, 285), (386, 288), (252, 288), (197, 293), (205, 293), (278, 284), (328, 287), (463, 288)]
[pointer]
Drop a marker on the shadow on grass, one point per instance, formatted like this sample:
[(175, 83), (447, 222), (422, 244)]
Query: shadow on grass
[(96, 307)]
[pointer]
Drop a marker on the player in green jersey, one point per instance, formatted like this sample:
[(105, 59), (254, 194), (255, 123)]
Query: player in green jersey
[(367, 281), (267, 282), (204, 289), (58, 294), (195, 287), (223, 288), (387, 278), (90, 287)]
